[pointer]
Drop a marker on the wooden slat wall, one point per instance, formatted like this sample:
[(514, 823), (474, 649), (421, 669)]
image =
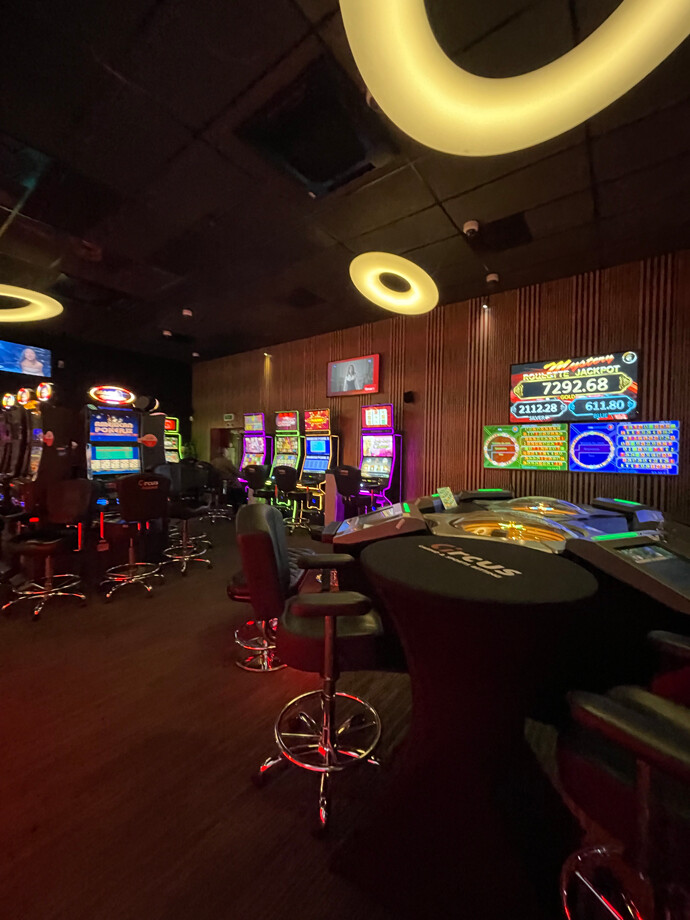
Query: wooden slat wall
[(456, 362)]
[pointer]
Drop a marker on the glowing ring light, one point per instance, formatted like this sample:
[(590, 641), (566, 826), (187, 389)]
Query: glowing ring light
[(421, 295), (443, 106), (40, 306)]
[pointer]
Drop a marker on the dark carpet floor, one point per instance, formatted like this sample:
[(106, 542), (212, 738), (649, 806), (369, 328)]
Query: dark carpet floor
[(128, 740)]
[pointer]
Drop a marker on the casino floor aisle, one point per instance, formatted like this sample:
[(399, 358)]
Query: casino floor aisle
[(128, 740)]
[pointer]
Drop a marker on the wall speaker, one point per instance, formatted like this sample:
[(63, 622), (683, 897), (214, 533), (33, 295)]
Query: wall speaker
[(408, 396)]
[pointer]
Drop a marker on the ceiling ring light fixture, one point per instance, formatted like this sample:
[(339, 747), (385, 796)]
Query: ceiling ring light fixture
[(39, 306), (446, 108), (394, 283)]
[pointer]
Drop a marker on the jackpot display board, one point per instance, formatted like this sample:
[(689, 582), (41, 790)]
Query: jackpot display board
[(625, 447), (526, 447), (597, 387), (317, 420)]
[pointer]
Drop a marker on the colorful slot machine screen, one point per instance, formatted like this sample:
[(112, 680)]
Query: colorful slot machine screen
[(625, 447), (526, 447), (377, 445), (377, 416), (108, 425), (317, 420), (287, 421), (287, 444), (171, 424), (254, 422), (596, 387), (114, 459), (254, 445)]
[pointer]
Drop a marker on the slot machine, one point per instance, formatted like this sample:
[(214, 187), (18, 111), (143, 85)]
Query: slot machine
[(288, 443), (172, 440), (320, 452), (256, 444), (113, 436), (380, 455)]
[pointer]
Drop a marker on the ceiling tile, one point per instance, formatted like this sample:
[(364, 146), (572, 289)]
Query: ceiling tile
[(562, 214), (315, 10), (538, 184), (658, 185), (459, 25), (419, 229), (380, 202)]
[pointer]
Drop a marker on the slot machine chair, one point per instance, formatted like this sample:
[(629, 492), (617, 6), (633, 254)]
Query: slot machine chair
[(256, 476), (286, 478), (625, 762), (216, 488), (142, 497), (323, 731), (184, 507), (348, 483), (68, 504)]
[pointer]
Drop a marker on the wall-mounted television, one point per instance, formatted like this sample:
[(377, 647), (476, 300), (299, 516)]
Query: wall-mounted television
[(625, 447), (593, 388), (25, 359), (354, 376)]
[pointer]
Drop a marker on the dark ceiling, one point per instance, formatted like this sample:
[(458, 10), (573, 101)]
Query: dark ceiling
[(125, 139)]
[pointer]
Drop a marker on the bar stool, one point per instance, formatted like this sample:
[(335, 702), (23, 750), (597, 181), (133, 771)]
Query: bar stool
[(188, 549), (142, 497), (67, 504), (326, 731), (348, 482), (285, 478), (217, 511)]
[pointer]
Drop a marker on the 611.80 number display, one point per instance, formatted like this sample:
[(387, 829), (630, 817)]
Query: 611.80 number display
[(596, 387)]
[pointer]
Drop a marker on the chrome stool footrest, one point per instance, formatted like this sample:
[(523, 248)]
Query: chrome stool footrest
[(43, 589), (355, 730), (255, 637), (132, 573)]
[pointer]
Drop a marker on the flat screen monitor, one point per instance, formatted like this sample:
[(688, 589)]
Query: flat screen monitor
[(25, 359), (377, 417), (112, 426), (595, 387), (354, 376), (317, 420), (525, 447), (377, 467), (286, 460), (625, 447), (287, 444), (256, 459), (377, 445), (287, 421), (254, 421), (114, 459), (254, 444), (317, 455)]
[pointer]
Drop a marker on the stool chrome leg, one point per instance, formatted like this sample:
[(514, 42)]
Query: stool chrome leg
[(186, 551), (256, 637)]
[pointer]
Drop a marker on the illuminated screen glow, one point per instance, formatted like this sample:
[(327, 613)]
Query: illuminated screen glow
[(286, 460), (525, 447), (625, 447), (447, 108), (107, 425), (254, 422), (110, 459), (377, 416), (317, 446), (171, 424), (253, 444), (25, 359), (317, 420), (287, 421), (287, 444), (354, 376), (596, 387), (377, 467), (377, 445)]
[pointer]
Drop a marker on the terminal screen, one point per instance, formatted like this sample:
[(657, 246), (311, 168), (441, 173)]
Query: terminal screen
[(317, 420), (287, 421), (625, 447), (376, 467), (254, 422), (107, 425), (114, 458), (377, 445), (255, 459), (644, 554), (287, 444), (317, 446), (377, 416), (286, 460), (315, 465), (526, 447), (576, 389), (254, 445)]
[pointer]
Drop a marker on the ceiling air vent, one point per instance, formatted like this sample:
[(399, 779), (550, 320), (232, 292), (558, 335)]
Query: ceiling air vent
[(502, 234), (320, 130)]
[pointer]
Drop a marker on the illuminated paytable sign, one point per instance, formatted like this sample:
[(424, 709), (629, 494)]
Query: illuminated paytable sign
[(625, 447), (596, 387), (526, 447), (111, 426)]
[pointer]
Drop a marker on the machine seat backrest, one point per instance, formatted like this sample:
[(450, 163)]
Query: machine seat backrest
[(348, 480), (255, 475), (69, 501), (265, 560), (285, 478), (143, 496)]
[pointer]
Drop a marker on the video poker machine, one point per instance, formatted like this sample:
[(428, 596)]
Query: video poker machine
[(320, 448), (256, 444), (172, 440), (380, 454), (121, 437), (288, 442)]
